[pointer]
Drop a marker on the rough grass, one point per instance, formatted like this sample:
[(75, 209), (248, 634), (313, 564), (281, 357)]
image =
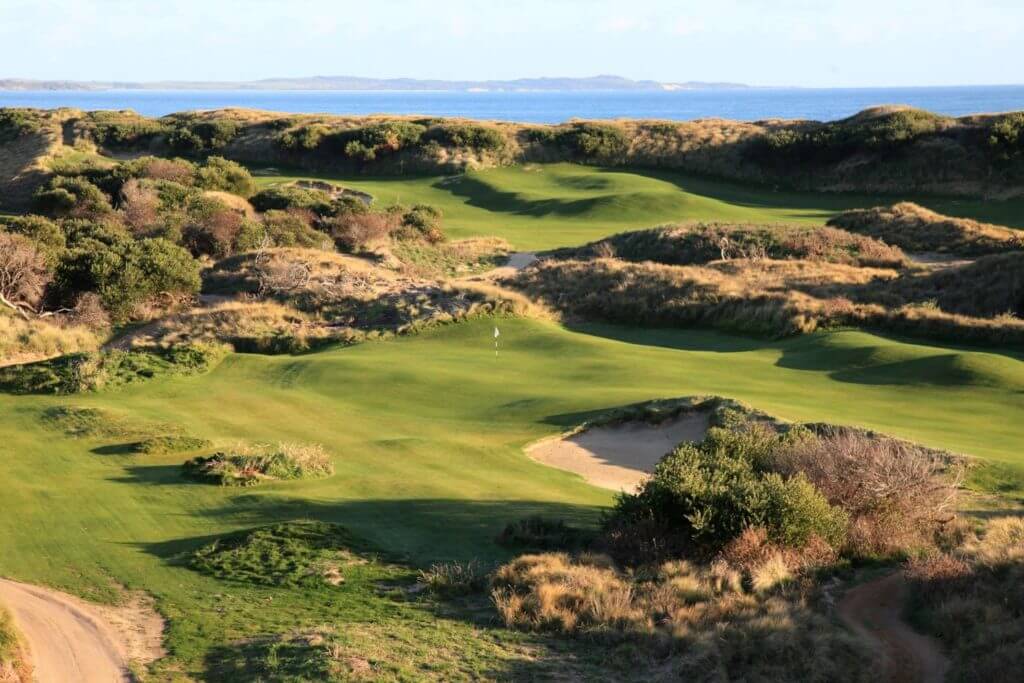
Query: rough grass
[(14, 665), (170, 443), (93, 423), (972, 600), (917, 229), (246, 465), (702, 243), (31, 340), (702, 615), (293, 553), (978, 302), (431, 428), (448, 259)]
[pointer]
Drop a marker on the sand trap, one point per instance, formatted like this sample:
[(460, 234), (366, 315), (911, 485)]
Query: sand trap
[(619, 457), (70, 639)]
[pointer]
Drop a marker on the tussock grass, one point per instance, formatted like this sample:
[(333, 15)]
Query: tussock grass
[(975, 302), (972, 599), (700, 614), (917, 229), (452, 579), (14, 663), (297, 553), (702, 243), (447, 259), (30, 340), (248, 465)]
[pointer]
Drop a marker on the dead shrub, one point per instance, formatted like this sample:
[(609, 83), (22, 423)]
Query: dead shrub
[(140, 207), (354, 232), (896, 493)]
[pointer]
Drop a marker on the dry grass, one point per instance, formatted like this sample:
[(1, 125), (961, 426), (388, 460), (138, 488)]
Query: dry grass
[(23, 341), (450, 259), (977, 302), (973, 600), (917, 229), (14, 662), (702, 614)]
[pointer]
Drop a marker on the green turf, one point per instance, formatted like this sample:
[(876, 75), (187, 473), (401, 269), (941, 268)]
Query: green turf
[(427, 434), (546, 206)]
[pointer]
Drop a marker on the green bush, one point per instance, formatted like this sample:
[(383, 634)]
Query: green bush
[(368, 142), (593, 142), (286, 229), (1006, 137), (72, 195), (123, 129), (422, 221), (291, 197), (200, 137), (710, 492), (45, 234), (217, 173), (480, 138), (126, 273), (304, 138), (17, 122)]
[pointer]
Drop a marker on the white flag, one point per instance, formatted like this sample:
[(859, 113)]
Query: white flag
[(496, 333)]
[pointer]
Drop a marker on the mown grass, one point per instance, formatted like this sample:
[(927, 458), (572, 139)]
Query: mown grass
[(553, 205), (428, 430)]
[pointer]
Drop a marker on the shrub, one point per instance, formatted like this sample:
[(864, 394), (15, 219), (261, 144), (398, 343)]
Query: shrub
[(217, 173), (298, 553), (594, 142), (249, 465), (212, 228), (24, 276), (291, 197), (72, 196), (421, 222), (895, 493), (367, 143), (200, 137), (710, 492), (292, 229), (46, 234), (480, 138), (355, 232), (127, 273)]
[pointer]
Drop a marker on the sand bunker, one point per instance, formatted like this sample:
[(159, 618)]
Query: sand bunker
[(619, 457)]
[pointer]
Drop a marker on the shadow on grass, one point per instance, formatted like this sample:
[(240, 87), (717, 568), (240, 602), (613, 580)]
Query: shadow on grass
[(411, 531), (154, 475)]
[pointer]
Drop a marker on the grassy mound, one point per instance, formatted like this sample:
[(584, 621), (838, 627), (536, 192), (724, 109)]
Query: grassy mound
[(170, 443), (93, 423), (250, 465), (917, 229), (29, 340), (976, 302), (701, 243), (80, 372), (300, 553)]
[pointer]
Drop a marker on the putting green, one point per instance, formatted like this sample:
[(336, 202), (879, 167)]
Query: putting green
[(542, 206)]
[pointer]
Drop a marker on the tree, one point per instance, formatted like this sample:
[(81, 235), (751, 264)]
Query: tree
[(23, 275)]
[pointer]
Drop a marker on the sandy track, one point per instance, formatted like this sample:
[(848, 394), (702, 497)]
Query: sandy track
[(68, 639), (619, 457), (874, 610)]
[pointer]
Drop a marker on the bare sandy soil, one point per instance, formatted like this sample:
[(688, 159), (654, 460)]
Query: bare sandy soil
[(619, 457), (936, 261), (874, 610), (72, 640)]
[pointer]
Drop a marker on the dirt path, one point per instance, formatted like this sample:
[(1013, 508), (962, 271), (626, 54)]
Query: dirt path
[(70, 640), (516, 261), (874, 610), (619, 457)]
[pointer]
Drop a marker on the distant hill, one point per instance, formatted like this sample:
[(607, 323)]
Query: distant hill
[(593, 83)]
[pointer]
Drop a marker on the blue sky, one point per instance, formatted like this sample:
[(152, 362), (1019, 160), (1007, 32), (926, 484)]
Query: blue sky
[(761, 42)]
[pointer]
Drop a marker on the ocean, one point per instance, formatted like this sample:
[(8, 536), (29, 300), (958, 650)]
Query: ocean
[(547, 107)]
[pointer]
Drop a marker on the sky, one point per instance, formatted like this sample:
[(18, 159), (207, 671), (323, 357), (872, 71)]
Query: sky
[(807, 43)]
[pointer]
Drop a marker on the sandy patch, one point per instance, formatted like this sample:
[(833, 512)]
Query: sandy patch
[(619, 457), (874, 610), (936, 261), (70, 639)]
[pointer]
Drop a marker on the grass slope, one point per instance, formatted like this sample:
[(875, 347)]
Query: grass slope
[(545, 206), (427, 433)]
